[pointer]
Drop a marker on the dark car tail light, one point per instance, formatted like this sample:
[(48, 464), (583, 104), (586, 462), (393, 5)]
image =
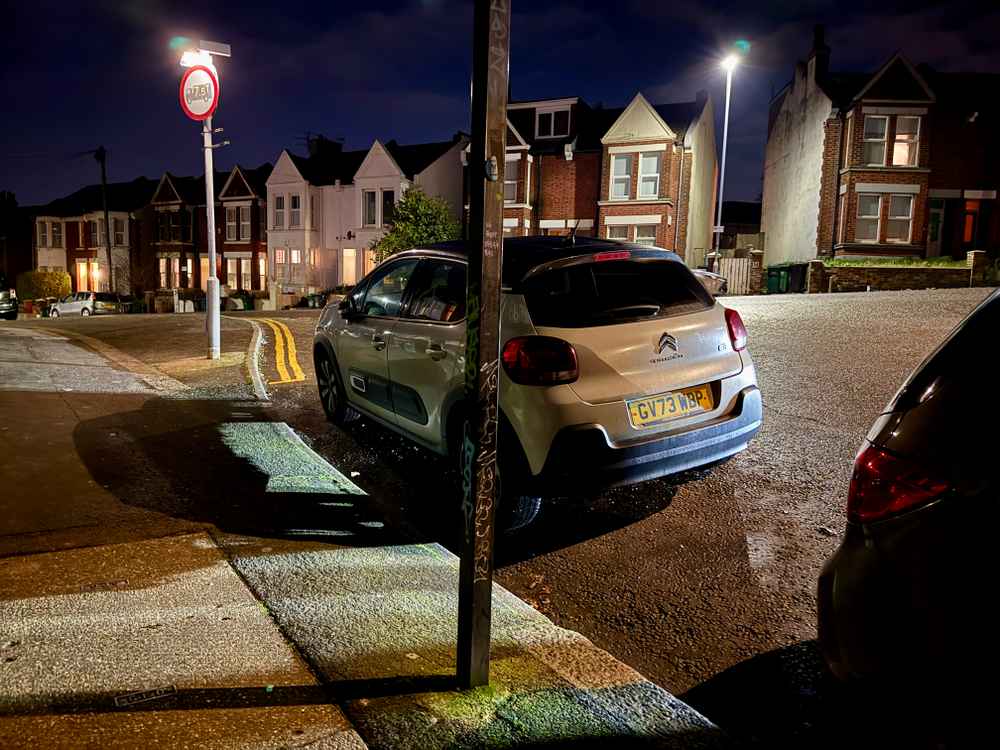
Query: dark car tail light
[(612, 255), (540, 360), (737, 331), (883, 484)]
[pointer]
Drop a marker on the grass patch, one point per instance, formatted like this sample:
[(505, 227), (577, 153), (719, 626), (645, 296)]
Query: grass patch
[(911, 262)]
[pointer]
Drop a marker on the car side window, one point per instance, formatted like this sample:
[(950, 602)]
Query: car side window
[(438, 292), (384, 294)]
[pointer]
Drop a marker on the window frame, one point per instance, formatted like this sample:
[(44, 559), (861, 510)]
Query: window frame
[(295, 256), (279, 256), (884, 140), (364, 208), (868, 217), (243, 227), (115, 232), (232, 224), (294, 211), (658, 156), (312, 213), (43, 234), (610, 227), (93, 234), (613, 179), (914, 141), (908, 219), (279, 212), (551, 112), (635, 235), (56, 234), (392, 213)]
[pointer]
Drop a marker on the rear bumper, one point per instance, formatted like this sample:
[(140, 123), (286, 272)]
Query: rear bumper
[(582, 458)]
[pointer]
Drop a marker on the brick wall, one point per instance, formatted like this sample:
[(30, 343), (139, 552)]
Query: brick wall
[(664, 230), (892, 278), (569, 188), (665, 171), (829, 183)]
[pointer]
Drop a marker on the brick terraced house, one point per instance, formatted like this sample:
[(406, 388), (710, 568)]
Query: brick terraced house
[(70, 234), (645, 173), (174, 252), (902, 161)]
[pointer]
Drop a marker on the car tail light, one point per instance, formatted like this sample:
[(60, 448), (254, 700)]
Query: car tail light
[(540, 360), (612, 255), (737, 331), (883, 484)]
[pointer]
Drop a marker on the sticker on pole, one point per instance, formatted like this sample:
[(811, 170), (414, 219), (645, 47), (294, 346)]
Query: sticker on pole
[(199, 92)]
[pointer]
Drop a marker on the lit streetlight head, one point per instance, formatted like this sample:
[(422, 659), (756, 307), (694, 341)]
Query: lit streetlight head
[(729, 62)]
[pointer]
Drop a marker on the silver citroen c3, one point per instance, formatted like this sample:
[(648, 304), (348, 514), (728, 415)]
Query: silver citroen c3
[(617, 365)]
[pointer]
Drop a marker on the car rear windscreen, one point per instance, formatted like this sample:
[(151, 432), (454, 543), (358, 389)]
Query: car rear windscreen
[(609, 292)]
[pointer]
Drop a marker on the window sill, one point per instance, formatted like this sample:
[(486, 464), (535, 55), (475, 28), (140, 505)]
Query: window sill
[(636, 201)]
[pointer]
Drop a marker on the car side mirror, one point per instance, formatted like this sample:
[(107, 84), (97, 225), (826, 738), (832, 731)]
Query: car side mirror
[(346, 307)]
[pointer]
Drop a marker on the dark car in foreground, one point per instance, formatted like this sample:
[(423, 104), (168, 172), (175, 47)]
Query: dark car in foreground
[(905, 604)]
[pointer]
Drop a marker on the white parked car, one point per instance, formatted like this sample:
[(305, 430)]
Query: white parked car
[(617, 365), (85, 303)]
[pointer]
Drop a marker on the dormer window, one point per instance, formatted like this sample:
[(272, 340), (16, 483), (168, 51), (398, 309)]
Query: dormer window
[(552, 123)]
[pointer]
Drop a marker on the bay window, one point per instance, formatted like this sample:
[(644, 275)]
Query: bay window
[(869, 212), (621, 177), (649, 175), (906, 146), (900, 222), (875, 133)]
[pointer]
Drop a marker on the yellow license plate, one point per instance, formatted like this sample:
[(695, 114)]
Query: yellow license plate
[(646, 412)]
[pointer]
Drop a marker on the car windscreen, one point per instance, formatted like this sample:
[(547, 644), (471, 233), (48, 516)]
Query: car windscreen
[(615, 291), (105, 297)]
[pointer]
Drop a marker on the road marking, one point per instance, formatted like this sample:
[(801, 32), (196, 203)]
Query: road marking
[(292, 354), (282, 335)]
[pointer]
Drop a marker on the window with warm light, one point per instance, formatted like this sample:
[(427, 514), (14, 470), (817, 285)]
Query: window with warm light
[(906, 145), (876, 127), (296, 257)]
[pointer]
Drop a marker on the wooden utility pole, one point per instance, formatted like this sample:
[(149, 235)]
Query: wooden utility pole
[(480, 481), (102, 156)]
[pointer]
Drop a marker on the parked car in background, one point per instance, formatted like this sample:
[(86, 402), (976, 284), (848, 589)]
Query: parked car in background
[(905, 603), (86, 303), (716, 284), (8, 299), (617, 366)]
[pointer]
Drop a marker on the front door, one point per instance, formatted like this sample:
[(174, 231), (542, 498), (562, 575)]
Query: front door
[(426, 345), (349, 267), (935, 226), (363, 342), (82, 276)]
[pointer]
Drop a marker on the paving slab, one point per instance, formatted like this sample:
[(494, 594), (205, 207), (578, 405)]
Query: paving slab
[(379, 623), (154, 643)]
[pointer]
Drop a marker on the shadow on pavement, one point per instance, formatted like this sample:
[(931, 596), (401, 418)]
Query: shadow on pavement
[(177, 457)]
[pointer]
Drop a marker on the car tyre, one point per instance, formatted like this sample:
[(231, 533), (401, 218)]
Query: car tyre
[(331, 390), (53, 313), (85, 312), (516, 510)]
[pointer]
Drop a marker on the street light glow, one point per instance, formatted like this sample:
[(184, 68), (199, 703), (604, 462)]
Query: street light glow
[(193, 57), (729, 62)]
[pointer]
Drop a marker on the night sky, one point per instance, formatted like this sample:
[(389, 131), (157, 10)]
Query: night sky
[(76, 75)]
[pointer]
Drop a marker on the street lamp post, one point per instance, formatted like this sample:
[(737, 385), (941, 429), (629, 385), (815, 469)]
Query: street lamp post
[(199, 99), (728, 64)]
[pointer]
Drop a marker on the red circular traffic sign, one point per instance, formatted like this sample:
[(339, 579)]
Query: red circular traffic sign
[(199, 92)]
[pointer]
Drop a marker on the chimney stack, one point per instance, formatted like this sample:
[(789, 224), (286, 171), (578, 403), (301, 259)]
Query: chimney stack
[(819, 55)]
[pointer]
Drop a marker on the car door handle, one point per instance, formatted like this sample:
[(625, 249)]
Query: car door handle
[(378, 342), (434, 351)]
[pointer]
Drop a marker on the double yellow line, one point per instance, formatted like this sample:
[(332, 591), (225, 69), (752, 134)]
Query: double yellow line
[(284, 342)]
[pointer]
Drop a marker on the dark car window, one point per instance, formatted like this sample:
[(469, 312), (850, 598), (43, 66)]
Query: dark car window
[(105, 297), (438, 292), (608, 292), (384, 294)]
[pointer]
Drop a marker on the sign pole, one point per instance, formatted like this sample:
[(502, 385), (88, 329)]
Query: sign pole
[(480, 480), (212, 284)]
